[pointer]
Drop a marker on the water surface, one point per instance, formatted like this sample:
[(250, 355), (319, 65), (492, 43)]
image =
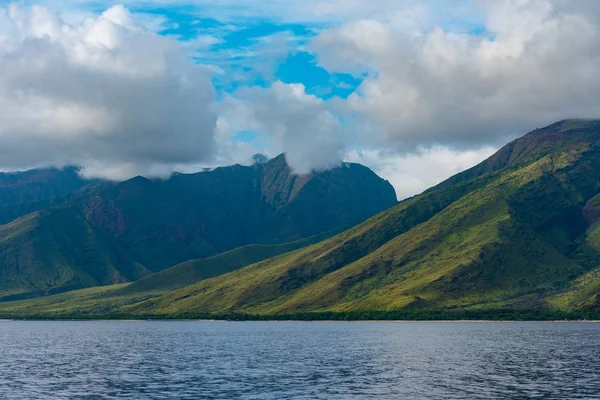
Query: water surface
[(298, 360)]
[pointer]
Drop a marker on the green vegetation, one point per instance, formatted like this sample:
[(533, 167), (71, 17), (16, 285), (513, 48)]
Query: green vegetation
[(400, 315), (516, 237), (106, 300), (190, 272), (504, 237), (103, 234)]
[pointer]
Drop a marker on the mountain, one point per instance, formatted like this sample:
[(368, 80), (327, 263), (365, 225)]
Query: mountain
[(115, 233), (521, 230), (39, 184), (192, 271)]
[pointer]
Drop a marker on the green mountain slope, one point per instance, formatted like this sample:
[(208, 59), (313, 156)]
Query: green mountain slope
[(115, 233), (33, 261), (192, 271), (505, 234), (112, 298)]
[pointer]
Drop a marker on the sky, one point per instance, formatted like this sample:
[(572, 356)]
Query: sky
[(417, 90)]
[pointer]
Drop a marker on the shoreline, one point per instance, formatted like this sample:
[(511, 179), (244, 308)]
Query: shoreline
[(492, 315), (302, 321), (437, 321)]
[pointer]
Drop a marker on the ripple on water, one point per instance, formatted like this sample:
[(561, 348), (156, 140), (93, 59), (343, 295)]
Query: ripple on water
[(296, 360)]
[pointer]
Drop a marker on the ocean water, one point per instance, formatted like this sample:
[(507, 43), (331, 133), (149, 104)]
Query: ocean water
[(299, 360)]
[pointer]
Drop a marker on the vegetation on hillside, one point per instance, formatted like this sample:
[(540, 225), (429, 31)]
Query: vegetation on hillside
[(503, 235), (515, 237), (105, 234)]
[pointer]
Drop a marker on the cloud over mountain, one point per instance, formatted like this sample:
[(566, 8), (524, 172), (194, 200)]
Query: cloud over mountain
[(453, 86), (107, 94), (298, 123), (533, 62)]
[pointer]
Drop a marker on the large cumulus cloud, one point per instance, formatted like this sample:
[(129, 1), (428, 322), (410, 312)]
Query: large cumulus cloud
[(535, 62), (107, 95)]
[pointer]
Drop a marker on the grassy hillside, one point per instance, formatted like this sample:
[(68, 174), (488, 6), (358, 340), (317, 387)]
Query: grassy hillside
[(190, 272), (506, 235), (110, 299)]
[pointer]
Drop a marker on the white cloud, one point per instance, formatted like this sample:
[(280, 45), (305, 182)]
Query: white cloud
[(106, 94), (413, 173), (298, 123), (465, 91), (203, 41)]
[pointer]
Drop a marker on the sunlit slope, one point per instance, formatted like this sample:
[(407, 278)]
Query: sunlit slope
[(97, 301), (190, 272), (103, 300), (503, 234)]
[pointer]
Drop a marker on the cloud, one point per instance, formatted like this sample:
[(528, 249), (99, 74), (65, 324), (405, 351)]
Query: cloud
[(413, 173), (298, 123), (301, 11), (107, 94), (439, 92), (536, 63)]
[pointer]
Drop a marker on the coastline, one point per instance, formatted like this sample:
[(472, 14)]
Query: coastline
[(294, 320), (439, 316)]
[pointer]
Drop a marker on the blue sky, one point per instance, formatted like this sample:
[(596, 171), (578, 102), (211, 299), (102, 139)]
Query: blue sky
[(265, 41), (249, 52), (243, 42), (259, 50)]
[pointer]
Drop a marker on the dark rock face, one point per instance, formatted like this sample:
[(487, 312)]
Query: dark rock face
[(104, 214), (139, 226)]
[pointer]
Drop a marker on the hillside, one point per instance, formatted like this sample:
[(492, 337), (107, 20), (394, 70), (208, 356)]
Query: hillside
[(517, 231), (105, 299), (117, 233), (192, 271)]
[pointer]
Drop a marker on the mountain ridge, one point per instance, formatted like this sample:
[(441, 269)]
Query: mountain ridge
[(120, 232), (479, 230)]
